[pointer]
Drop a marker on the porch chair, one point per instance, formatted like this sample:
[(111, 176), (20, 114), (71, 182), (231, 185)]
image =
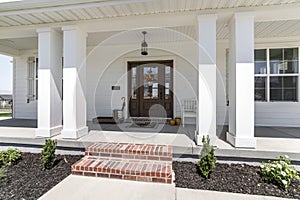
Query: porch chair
[(189, 109)]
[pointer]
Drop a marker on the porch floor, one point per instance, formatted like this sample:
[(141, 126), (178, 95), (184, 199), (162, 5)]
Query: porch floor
[(271, 141), (260, 131)]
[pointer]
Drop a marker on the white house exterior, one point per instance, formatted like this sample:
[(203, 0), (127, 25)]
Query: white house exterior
[(239, 59)]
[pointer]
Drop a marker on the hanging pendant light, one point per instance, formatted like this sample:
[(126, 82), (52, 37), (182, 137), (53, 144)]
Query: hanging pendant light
[(144, 45)]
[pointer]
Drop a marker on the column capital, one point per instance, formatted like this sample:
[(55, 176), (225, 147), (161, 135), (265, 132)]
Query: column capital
[(207, 17), (74, 28), (45, 30)]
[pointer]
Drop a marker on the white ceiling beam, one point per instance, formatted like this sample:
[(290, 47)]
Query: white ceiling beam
[(290, 13), (11, 33), (5, 50)]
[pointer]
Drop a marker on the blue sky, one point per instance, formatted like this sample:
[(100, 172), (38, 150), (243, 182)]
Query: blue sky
[(6, 74)]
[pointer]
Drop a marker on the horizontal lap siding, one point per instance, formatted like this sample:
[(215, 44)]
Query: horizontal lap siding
[(277, 114)]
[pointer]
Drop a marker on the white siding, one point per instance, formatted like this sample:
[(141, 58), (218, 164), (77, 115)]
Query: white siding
[(277, 114), (222, 117), (22, 109)]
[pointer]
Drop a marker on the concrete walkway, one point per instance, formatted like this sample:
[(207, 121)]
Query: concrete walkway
[(90, 188), (187, 194)]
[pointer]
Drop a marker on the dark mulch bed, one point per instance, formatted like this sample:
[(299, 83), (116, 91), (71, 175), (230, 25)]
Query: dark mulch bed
[(238, 178), (27, 180)]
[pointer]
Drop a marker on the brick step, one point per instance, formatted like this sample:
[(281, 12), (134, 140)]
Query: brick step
[(136, 170), (130, 151)]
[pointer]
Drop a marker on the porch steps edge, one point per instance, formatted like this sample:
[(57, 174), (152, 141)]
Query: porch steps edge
[(79, 146)]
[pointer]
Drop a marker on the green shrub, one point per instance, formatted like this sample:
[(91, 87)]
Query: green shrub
[(279, 172), (208, 159), (48, 154), (9, 156)]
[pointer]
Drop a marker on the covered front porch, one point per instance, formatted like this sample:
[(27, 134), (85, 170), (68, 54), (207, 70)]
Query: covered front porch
[(66, 73)]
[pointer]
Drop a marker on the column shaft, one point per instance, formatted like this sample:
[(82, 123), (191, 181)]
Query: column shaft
[(49, 82), (206, 120), (74, 83), (241, 78)]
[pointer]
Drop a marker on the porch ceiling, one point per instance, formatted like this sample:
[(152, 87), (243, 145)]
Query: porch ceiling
[(270, 29), (286, 28), (29, 12)]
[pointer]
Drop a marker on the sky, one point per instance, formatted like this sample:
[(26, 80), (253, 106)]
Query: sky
[(6, 74)]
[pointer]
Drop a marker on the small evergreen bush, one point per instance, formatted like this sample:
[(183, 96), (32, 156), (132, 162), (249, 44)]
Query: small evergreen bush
[(48, 154), (9, 156), (208, 159), (279, 172)]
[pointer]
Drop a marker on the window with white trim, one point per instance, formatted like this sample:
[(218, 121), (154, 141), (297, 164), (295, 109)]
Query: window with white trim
[(276, 74)]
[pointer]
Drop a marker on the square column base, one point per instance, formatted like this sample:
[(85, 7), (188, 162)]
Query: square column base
[(45, 132), (198, 138), (241, 142), (74, 134)]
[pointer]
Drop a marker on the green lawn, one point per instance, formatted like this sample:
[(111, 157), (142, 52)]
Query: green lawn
[(5, 114)]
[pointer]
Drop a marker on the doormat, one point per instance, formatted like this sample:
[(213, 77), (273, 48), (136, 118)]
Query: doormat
[(143, 125), (139, 120)]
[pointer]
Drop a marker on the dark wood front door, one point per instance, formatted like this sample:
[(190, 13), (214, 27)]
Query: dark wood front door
[(150, 85)]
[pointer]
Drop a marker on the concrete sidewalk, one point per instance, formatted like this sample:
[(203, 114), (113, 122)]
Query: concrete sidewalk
[(187, 194), (90, 188)]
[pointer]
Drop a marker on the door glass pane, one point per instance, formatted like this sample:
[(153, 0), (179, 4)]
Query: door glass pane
[(167, 82), (133, 83), (150, 82)]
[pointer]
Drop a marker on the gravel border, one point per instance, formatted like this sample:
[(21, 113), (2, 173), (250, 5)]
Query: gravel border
[(236, 178), (27, 180)]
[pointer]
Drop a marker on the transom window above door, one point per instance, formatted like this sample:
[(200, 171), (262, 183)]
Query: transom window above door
[(276, 74)]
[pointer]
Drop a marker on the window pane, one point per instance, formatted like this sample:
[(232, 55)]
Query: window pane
[(260, 67), (260, 55), (150, 82), (283, 88), (291, 67), (277, 67), (260, 58), (260, 88), (167, 81), (291, 54), (287, 64), (276, 54), (133, 83)]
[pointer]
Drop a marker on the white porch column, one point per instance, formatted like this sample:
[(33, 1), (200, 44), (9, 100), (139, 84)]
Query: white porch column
[(49, 82), (241, 78), (74, 75), (206, 120)]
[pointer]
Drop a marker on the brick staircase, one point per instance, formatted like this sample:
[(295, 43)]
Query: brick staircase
[(137, 162)]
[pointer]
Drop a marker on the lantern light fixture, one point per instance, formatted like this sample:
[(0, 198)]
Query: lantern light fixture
[(144, 45)]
